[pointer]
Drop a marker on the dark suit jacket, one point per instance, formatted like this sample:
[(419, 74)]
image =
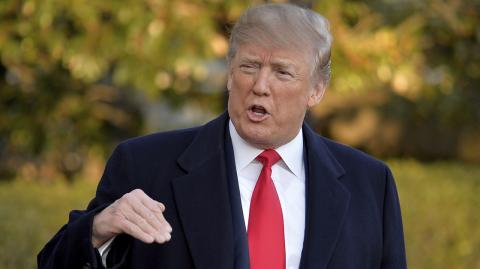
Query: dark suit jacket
[(353, 218)]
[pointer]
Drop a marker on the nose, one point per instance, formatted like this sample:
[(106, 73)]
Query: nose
[(261, 85)]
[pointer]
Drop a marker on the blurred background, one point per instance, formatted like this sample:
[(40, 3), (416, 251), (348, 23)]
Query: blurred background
[(77, 77)]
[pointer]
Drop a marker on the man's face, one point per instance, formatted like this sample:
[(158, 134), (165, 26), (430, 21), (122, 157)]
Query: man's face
[(270, 90)]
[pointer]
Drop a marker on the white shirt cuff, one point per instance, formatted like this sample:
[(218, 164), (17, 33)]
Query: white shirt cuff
[(104, 249)]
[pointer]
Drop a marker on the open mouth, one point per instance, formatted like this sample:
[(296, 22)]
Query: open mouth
[(258, 110), (257, 113)]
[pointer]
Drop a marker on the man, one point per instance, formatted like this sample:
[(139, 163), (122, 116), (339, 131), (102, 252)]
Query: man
[(255, 188)]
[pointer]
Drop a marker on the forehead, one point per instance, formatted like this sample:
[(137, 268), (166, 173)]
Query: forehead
[(273, 55)]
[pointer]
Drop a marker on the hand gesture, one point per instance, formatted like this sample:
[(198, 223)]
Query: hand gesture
[(135, 214)]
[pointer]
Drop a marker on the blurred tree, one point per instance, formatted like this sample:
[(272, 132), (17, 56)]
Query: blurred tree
[(405, 76), (69, 72), (75, 75)]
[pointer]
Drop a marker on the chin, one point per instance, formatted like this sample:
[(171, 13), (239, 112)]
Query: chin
[(263, 141)]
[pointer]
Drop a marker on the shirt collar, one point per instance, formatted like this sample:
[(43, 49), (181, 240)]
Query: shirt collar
[(245, 153)]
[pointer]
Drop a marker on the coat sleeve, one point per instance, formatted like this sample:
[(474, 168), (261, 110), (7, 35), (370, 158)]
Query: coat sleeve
[(72, 246), (393, 241)]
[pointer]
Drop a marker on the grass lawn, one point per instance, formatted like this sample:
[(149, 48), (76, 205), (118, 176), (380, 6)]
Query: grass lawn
[(441, 213), (31, 214), (440, 202)]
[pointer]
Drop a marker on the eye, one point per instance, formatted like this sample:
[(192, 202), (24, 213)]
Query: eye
[(284, 74), (248, 67), (281, 72)]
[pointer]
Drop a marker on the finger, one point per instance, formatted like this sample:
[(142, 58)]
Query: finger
[(163, 239), (150, 203), (135, 231), (157, 205), (160, 234), (161, 217), (151, 211), (161, 206), (147, 201), (145, 212), (164, 222), (133, 217), (154, 207)]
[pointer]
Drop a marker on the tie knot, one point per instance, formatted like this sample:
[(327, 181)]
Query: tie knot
[(268, 157)]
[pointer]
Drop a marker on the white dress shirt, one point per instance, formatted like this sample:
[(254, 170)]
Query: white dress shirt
[(288, 176)]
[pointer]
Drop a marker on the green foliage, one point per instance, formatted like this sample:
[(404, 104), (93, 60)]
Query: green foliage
[(76, 76), (69, 71), (439, 203), (405, 76)]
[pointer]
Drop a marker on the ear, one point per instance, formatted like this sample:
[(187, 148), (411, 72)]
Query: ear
[(316, 94), (229, 78)]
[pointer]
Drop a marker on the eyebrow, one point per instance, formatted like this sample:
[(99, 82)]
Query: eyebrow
[(275, 62), (283, 64), (250, 58)]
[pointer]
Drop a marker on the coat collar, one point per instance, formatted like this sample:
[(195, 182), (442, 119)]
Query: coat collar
[(207, 143)]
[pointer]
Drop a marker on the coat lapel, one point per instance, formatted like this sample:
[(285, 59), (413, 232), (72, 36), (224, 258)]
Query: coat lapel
[(202, 198), (327, 202)]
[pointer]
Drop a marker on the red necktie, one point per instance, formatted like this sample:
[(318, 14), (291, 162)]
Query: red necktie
[(266, 242)]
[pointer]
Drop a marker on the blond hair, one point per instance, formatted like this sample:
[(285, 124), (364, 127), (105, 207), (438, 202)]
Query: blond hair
[(285, 26)]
